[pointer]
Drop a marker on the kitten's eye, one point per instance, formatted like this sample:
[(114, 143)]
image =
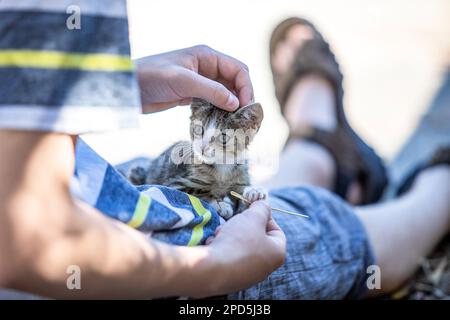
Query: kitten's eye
[(198, 130), (223, 138)]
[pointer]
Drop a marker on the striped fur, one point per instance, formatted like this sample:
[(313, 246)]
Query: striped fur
[(208, 181)]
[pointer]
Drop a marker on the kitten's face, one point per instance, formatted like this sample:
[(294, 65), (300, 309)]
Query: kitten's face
[(221, 137)]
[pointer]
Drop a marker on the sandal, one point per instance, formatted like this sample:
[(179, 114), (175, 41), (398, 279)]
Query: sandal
[(355, 160), (441, 156)]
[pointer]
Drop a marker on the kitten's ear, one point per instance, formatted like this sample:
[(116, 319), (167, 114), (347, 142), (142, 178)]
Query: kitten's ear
[(250, 117)]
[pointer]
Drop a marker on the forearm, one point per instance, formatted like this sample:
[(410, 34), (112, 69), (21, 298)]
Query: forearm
[(114, 260), (43, 231)]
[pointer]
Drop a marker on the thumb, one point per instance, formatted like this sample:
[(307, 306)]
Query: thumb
[(260, 211), (211, 91)]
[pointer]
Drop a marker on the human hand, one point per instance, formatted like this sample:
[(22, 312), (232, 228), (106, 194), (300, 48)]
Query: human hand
[(249, 247), (174, 78)]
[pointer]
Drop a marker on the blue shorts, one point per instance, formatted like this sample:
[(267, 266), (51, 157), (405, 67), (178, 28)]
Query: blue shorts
[(327, 254)]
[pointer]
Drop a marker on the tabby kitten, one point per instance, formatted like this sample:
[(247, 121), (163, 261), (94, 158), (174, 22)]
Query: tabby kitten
[(213, 162)]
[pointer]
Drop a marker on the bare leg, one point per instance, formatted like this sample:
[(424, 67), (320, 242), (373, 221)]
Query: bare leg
[(404, 231), (310, 104), (302, 162)]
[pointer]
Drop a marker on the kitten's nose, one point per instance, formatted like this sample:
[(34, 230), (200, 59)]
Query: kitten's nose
[(207, 150), (204, 144)]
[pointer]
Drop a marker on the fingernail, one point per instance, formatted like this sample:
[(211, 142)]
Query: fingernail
[(233, 102)]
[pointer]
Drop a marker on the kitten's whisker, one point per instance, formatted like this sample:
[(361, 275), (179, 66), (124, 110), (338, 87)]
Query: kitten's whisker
[(237, 195)]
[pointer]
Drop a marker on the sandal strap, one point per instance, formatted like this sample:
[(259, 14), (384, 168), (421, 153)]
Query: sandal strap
[(279, 33), (342, 149), (315, 56)]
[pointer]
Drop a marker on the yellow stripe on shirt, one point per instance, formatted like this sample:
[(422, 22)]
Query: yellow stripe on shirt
[(197, 232), (140, 212), (63, 60)]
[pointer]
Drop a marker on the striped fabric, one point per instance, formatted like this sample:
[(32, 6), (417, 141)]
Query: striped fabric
[(160, 212), (55, 77)]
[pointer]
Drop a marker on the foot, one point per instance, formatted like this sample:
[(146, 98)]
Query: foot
[(253, 194), (285, 50), (311, 101), (311, 104), (308, 87)]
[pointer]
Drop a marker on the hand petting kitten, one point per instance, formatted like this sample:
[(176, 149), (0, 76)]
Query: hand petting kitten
[(173, 78)]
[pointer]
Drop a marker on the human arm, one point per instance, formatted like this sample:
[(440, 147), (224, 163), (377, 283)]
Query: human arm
[(43, 231)]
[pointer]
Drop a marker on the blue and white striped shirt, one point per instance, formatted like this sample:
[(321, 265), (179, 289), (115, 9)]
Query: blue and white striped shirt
[(65, 66)]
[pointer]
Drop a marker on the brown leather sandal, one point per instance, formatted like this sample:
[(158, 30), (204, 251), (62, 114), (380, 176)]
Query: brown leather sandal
[(355, 160)]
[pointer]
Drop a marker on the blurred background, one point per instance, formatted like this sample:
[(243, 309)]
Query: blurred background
[(392, 52)]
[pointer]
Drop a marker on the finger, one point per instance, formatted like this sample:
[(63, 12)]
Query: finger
[(209, 90), (259, 211), (216, 65), (209, 240), (272, 226), (238, 87), (244, 88), (237, 73), (229, 85), (216, 232), (275, 233), (277, 236)]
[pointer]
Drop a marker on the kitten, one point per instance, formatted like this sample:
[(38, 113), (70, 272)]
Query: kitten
[(214, 162)]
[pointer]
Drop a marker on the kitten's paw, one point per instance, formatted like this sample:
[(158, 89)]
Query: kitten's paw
[(224, 208), (253, 194), (137, 175)]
